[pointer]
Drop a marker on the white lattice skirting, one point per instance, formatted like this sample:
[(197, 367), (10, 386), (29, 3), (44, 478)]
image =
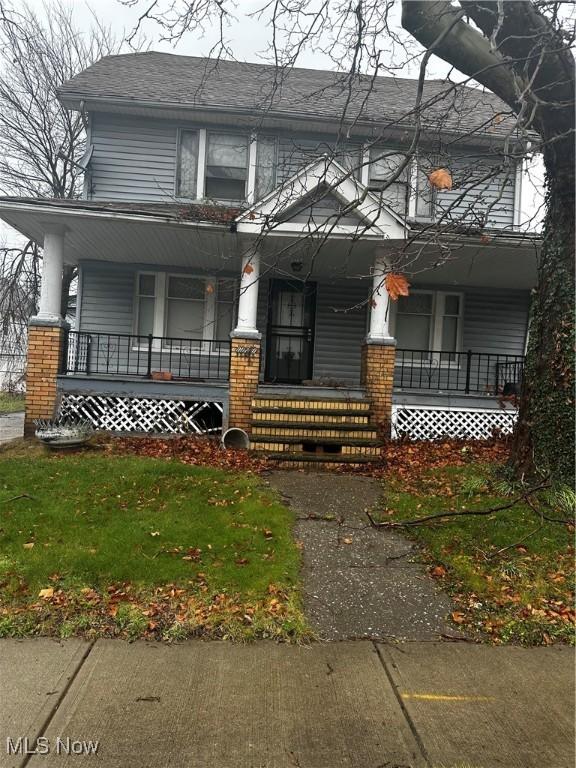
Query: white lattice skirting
[(140, 414), (434, 422)]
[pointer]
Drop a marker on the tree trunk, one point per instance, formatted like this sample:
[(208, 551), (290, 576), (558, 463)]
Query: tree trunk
[(544, 439)]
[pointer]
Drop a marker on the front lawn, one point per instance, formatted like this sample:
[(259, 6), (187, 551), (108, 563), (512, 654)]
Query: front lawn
[(123, 545), (510, 574), (11, 402)]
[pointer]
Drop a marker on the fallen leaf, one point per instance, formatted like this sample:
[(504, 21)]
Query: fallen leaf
[(438, 571), (28, 545), (47, 593), (347, 541), (457, 617)]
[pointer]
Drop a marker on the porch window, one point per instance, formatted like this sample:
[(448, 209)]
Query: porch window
[(225, 309), (430, 321), (176, 306), (226, 166), (187, 165), (383, 165), (185, 308), (146, 301), (415, 322)]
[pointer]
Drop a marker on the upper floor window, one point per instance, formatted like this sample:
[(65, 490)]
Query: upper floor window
[(187, 165), (266, 163), (425, 195), (384, 164), (226, 166)]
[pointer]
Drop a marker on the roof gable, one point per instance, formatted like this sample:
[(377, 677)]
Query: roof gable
[(342, 204)]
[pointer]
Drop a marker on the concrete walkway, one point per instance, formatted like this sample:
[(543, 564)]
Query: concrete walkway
[(11, 426), (353, 705), (359, 582)]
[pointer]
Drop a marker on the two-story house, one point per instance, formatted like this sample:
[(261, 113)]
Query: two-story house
[(232, 243)]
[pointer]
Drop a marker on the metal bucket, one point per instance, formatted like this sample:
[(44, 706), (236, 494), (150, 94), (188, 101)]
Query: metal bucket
[(236, 438)]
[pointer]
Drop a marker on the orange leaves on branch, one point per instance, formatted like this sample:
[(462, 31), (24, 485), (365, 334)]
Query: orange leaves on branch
[(441, 178), (248, 269), (397, 285)]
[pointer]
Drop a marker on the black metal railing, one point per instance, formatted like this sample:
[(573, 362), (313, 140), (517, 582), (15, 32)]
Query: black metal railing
[(466, 372), (119, 354)]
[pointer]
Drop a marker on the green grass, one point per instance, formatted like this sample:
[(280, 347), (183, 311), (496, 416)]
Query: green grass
[(522, 594), (11, 403), (195, 546)]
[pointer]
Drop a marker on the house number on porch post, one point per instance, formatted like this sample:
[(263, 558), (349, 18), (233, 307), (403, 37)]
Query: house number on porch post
[(247, 351)]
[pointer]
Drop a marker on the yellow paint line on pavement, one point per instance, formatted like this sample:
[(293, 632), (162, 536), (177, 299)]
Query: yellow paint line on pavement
[(443, 697)]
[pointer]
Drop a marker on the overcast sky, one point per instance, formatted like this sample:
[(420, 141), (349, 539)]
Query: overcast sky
[(247, 37)]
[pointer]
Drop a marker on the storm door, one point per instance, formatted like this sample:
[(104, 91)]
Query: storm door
[(290, 336)]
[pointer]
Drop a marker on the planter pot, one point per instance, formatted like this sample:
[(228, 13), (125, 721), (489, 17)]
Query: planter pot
[(64, 435)]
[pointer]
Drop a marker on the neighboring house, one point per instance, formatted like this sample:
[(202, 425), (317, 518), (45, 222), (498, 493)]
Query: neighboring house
[(232, 243)]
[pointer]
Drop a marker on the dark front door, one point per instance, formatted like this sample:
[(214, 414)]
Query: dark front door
[(290, 337)]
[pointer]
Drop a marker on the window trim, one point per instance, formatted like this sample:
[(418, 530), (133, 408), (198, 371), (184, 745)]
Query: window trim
[(437, 316), (252, 139), (161, 311), (250, 147)]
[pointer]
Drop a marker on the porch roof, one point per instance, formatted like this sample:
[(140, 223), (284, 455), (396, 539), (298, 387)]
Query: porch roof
[(210, 238)]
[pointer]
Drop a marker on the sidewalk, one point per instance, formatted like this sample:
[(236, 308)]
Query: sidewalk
[(11, 426), (353, 704)]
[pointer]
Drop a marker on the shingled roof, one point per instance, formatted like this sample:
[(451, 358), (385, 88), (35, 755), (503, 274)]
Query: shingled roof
[(202, 83)]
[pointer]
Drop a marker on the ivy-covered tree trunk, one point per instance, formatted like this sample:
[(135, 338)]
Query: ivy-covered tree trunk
[(544, 440), (519, 51)]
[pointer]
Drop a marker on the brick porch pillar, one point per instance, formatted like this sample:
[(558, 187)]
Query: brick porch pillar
[(45, 353), (379, 350), (46, 335), (377, 376), (244, 375), (246, 346)]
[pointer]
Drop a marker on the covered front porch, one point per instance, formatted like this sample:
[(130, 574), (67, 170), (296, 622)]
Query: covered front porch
[(297, 313)]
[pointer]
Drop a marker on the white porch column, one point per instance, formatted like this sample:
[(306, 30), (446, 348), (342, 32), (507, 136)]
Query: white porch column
[(51, 286), (248, 299), (379, 305)]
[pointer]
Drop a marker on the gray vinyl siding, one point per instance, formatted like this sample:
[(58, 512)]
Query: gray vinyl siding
[(294, 152), (107, 299), (473, 197), (325, 210), (108, 308), (494, 322), (133, 159)]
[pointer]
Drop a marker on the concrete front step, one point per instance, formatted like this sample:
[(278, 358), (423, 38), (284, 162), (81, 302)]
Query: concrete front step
[(300, 404), (313, 459), (288, 450), (329, 441), (305, 429), (312, 418)]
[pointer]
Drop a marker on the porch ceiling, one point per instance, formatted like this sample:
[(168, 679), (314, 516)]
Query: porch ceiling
[(122, 237)]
